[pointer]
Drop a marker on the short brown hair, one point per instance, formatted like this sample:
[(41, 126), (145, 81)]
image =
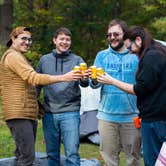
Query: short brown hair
[(121, 23), (63, 30)]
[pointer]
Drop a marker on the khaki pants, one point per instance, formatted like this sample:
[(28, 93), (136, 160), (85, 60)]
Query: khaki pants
[(117, 137)]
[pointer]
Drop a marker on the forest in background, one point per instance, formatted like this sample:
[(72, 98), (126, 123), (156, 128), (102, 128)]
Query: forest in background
[(87, 19)]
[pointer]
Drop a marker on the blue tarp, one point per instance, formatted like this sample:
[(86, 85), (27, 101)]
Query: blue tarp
[(41, 160)]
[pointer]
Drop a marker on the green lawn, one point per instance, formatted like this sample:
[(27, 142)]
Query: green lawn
[(7, 146)]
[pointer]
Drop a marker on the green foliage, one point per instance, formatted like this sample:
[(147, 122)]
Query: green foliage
[(2, 50), (83, 18), (159, 27), (42, 17), (33, 57), (87, 20), (6, 142), (148, 13), (1, 2), (35, 14)]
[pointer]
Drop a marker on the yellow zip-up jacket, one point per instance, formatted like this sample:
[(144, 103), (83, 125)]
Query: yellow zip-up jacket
[(18, 80)]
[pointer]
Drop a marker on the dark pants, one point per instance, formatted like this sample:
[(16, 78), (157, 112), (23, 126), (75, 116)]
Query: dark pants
[(24, 134), (153, 136)]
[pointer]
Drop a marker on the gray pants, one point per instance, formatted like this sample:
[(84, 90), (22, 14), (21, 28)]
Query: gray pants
[(24, 134), (115, 137)]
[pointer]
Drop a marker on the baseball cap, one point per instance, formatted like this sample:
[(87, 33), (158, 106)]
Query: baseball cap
[(15, 32)]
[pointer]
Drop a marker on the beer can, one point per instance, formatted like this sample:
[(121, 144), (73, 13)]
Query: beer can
[(100, 71), (83, 67), (94, 72), (77, 68)]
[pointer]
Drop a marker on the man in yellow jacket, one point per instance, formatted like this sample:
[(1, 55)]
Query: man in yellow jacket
[(19, 105)]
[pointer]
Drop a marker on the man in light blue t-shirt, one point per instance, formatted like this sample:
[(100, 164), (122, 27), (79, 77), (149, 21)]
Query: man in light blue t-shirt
[(117, 108)]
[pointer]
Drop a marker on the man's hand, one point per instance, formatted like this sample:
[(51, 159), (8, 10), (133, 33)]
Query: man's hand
[(85, 75), (72, 76)]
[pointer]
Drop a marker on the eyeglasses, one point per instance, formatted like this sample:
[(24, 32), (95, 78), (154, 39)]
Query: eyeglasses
[(115, 34), (26, 39)]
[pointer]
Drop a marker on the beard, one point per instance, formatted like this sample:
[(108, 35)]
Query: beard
[(119, 46)]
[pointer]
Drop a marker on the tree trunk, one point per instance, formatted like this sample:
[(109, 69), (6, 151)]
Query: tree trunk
[(6, 17)]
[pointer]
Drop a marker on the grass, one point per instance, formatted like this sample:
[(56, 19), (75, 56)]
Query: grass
[(7, 145)]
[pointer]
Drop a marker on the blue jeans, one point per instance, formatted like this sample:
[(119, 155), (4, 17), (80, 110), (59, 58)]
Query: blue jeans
[(153, 136), (66, 126)]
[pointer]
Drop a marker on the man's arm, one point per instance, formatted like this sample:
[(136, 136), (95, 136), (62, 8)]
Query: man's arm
[(22, 68)]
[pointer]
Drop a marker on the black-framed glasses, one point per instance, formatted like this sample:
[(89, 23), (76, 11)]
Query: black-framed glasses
[(115, 34), (25, 39)]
